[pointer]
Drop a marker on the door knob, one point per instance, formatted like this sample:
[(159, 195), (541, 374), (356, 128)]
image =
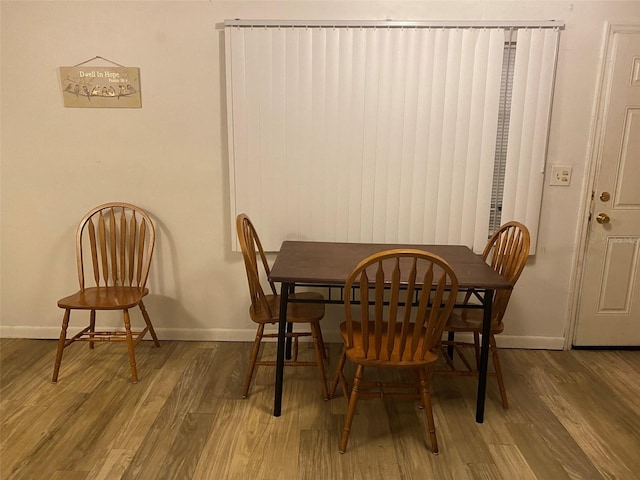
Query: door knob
[(603, 218)]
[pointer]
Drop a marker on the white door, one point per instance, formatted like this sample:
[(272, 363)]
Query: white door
[(609, 308)]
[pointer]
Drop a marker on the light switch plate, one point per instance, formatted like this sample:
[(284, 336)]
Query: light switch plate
[(560, 175)]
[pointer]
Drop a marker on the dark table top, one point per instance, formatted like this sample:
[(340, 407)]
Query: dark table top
[(330, 263)]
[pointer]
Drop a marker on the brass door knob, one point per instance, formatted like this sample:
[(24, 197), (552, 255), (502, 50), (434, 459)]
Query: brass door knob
[(603, 218)]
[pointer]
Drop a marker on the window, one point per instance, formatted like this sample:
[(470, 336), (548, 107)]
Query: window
[(391, 133)]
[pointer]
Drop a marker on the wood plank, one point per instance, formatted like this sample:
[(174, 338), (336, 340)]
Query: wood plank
[(459, 421), (572, 415), (71, 430), (23, 360), (408, 426), (69, 475), (588, 438), (224, 455), (541, 459), (144, 413), (160, 437), (318, 448), (114, 465), (182, 459), (22, 432), (616, 370), (511, 463)]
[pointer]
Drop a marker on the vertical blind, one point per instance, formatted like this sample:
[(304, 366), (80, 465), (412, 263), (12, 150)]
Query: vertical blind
[(379, 134), (533, 79)]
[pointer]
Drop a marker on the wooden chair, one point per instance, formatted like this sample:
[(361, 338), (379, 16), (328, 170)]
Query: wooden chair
[(397, 325), (507, 252), (117, 240), (265, 308)]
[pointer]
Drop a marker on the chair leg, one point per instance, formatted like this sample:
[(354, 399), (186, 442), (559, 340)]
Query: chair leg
[(496, 365), (338, 374), (296, 347), (425, 380), (252, 360), (463, 358), (448, 358), (147, 320), (352, 408), (92, 327), (61, 343), (130, 346), (317, 345)]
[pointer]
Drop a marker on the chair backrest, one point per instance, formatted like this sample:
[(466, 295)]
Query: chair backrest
[(251, 251), (392, 297), (507, 252), (117, 240)]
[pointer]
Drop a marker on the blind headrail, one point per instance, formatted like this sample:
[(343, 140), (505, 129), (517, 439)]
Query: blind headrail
[(557, 24)]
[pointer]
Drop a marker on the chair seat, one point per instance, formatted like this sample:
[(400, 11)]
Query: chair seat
[(104, 298), (470, 320), (356, 352), (296, 312)]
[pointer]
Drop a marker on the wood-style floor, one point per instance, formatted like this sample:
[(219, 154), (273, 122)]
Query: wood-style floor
[(573, 415)]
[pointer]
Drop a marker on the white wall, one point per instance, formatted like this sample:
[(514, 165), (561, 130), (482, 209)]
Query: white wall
[(169, 157)]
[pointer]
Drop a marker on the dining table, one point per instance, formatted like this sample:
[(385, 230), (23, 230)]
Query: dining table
[(328, 264)]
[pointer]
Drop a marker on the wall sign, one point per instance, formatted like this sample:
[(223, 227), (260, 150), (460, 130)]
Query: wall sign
[(100, 87)]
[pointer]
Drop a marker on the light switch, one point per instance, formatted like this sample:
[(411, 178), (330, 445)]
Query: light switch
[(560, 175)]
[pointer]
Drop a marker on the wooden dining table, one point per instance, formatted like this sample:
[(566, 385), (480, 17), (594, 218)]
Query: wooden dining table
[(328, 264)]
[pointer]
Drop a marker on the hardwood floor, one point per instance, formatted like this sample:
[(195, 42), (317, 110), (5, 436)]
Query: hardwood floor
[(573, 415)]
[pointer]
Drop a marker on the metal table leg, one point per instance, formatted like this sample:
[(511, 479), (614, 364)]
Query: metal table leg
[(282, 326), (288, 342), (484, 356), (451, 336), (287, 352)]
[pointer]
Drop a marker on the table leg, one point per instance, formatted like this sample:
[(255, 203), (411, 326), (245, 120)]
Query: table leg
[(484, 356), (287, 352), (289, 342), (451, 336), (282, 326)]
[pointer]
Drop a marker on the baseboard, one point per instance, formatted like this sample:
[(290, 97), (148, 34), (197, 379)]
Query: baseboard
[(42, 333), (247, 335), (524, 342), (530, 342), (186, 334)]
